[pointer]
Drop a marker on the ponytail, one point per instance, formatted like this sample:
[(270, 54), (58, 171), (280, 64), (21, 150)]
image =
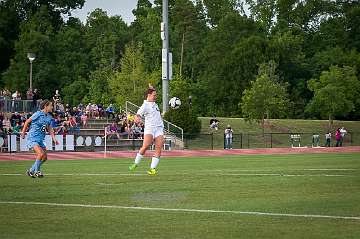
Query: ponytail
[(44, 103)]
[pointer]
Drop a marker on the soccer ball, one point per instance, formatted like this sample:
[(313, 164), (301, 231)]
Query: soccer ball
[(174, 102)]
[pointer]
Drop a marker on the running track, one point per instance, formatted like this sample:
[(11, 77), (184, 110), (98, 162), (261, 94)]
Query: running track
[(178, 153)]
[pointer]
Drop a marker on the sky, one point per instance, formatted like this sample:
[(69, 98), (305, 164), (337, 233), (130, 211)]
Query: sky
[(122, 8)]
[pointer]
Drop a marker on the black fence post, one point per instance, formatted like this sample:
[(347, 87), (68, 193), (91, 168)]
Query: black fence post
[(224, 141), (248, 141), (271, 140), (241, 140), (212, 141)]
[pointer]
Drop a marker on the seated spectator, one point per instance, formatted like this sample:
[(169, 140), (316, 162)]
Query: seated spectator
[(72, 125), (101, 110), (136, 131), (110, 110), (84, 119), (16, 129), (112, 130), (15, 117), (214, 123)]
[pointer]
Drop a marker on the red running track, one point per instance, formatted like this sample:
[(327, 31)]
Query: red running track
[(178, 153)]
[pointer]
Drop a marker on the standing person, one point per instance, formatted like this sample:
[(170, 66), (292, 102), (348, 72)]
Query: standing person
[(327, 139), (40, 121), (228, 137), (343, 133), (154, 130), (338, 138)]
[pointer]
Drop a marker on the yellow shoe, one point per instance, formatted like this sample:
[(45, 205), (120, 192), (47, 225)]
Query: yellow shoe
[(152, 172)]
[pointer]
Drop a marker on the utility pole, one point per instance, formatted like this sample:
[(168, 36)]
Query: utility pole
[(165, 55)]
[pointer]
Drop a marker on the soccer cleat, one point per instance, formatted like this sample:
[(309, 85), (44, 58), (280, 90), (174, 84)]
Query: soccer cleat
[(152, 172), (39, 174), (30, 174), (132, 167)]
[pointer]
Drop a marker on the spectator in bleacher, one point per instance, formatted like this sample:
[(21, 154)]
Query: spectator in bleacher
[(16, 130), (84, 119), (95, 111), (15, 117), (2, 117), (101, 110), (72, 125), (112, 129), (6, 124), (136, 131), (110, 110)]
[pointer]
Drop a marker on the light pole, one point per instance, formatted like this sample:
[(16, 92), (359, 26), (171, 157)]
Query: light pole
[(31, 57), (165, 55)]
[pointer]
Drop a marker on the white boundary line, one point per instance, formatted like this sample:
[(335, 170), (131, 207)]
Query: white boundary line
[(214, 174), (185, 210)]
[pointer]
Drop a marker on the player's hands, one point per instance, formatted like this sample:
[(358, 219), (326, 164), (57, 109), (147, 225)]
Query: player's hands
[(56, 142), (22, 135)]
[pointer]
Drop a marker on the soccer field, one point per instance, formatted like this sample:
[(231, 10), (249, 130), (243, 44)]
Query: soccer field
[(257, 196)]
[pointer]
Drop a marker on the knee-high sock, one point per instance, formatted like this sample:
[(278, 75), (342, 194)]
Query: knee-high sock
[(36, 166), (138, 158), (154, 162)]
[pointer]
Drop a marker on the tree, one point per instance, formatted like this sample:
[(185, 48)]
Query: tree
[(131, 82), (267, 97), (336, 93)]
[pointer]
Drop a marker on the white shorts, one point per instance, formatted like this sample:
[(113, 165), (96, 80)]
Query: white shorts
[(154, 131)]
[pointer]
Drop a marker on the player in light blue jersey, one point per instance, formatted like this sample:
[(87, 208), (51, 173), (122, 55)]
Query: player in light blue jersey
[(39, 123)]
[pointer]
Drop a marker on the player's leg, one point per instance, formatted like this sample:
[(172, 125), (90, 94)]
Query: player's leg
[(148, 138), (41, 157), (159, 142)]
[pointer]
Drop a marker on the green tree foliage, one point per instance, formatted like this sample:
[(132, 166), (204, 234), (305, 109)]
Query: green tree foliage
[(336, 93), (185, 118), (36, 36), (266, 97), (227, 64), (131, 82)]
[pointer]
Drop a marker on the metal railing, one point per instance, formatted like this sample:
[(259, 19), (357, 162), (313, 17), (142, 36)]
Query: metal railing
[(7, 105), (169, 127)]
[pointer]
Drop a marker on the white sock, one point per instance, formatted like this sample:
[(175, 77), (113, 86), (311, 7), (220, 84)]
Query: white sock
[(138, 158), (154, 162)]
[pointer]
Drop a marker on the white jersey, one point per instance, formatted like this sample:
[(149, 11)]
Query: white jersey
[(151, 112)]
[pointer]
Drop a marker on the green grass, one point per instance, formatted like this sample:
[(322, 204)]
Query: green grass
[(285, 184)]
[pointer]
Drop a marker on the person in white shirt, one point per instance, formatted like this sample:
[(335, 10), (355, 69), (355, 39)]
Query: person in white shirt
[(153, 131), (343, 133)]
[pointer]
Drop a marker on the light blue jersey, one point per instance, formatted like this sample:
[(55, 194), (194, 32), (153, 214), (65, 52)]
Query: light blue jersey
[(39, 122)]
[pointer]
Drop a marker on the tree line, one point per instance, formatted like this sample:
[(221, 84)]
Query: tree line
[(255, 59)]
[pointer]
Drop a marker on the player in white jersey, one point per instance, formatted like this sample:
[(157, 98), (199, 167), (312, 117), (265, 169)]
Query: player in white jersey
[(154, 130)]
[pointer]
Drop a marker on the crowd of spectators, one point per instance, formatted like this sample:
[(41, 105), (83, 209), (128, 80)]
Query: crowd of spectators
[(69, 120)]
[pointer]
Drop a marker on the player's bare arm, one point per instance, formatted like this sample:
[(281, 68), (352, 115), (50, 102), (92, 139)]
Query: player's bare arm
[(25, 128)]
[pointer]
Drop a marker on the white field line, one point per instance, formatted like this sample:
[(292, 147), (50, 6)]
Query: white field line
[(215, 174), (185, 210), (282, 175), (331, 169), (79, 174)]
